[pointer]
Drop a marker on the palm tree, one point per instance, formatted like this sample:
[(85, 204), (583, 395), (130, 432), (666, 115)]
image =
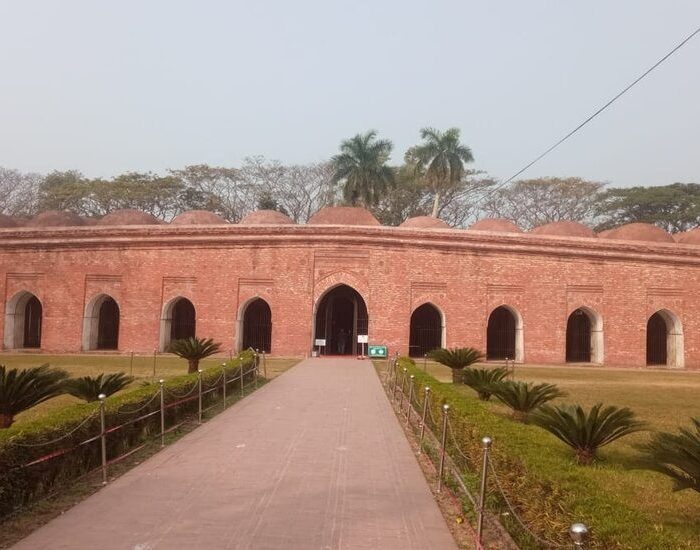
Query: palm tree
[(523, 398), (194, 350), (442, 157), (88, 388), (586, 431), (361, 167), (457, 359), (484, 381), (677, 456), (22, 389)]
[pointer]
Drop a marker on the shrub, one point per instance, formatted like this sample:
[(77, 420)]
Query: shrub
[(587, 431), (677, 456), (194, 350), (22, 389), (456, 359), (88, 388), (523, 398), (484, 381)]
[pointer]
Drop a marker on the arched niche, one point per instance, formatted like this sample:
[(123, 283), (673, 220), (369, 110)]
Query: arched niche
[(178, 320), (504, 335), (101, 323), (665, 340), (23, 321), (426, 330), (584, 336)]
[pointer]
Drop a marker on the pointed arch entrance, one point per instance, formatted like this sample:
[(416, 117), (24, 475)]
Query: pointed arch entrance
[(584, 337), (101, 324), (504, 335), (665, 340), (177, 322), (23, 321), (426, 330), (341, 316), (257, 326)]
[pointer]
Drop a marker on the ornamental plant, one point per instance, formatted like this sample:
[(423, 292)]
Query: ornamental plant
[(456, 359), (525, 397), (194, 349), (88, 388), (484, 381), (23, 389), (676, 456), (586, 431)]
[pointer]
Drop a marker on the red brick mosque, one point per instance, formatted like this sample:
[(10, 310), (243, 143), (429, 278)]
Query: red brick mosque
[(559, 293)]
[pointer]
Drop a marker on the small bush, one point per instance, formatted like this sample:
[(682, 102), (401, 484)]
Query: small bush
[(456, 359), (89, 388), (523, 398), (484, 381)]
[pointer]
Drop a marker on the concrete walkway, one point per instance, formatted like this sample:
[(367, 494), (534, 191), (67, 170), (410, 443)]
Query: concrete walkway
[(314, 460)]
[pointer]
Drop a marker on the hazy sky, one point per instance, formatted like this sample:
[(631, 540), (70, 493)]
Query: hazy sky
[(106, 87)]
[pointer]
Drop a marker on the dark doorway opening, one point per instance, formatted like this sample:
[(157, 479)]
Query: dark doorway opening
[(500, 334), (183, 324), (108, 325), (32, 323), (578, 337), (257, 326), (426, 330), (340, 318), (657, 340)]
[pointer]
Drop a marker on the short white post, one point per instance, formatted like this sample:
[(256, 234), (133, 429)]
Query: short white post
[(162, 412), (223, 375), (578, 533), (199, 384)]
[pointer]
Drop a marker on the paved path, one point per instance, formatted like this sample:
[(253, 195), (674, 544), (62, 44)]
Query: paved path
[(314, 460)]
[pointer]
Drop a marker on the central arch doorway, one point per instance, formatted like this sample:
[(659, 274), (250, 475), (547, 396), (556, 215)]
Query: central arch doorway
[(584, 337), (425, 332), (257, 326), (504, 335), (340, 317)]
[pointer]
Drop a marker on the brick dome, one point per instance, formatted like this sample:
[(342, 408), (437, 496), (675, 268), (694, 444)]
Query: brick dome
[(639, 232), (343, 215), (688, 237), (603, 234), (425, 222), (564, 229), (266, 217), (498, 225), (56, 218), (129, 216), (8, 221), (198, 217)]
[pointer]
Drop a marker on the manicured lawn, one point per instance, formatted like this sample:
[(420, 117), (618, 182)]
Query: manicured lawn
[(664, 399), (166, 366)]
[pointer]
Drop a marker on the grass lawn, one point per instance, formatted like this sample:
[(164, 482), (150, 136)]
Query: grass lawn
[(664, 399), (166, 366)]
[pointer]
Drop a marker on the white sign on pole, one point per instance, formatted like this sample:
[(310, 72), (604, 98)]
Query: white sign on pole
[(320, 342), (362, 339)]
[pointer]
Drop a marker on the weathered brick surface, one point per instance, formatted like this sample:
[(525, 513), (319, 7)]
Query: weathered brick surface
[(466, 274)]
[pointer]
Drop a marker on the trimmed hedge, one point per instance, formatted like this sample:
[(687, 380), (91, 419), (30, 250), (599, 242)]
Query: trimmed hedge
[(23, 443), (547, 489)]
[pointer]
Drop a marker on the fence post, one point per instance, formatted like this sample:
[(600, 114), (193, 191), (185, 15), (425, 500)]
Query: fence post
[(240, 365), (264, 366), (162, 413), (199, 391), (131, 365), (403, 384), (155, 354), (425, 362), (256, 366), (579, 534), (223, 374), (103, 437), (486, 442), (445, 410), (410, 401), (422, 422)]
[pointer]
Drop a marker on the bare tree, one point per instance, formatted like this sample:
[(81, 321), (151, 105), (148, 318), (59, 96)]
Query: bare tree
[(18, 192), (534, 202)]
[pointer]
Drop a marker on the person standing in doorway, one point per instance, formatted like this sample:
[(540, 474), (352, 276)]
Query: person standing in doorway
[(342, 341)]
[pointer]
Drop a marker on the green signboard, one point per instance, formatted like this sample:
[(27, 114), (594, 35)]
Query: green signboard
[(378, 351)]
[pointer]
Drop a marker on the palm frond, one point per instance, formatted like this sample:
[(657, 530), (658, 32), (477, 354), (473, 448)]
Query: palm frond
[(676, 456), (586, 431), (484, 381), (525, 397), (25, 388), (88, 388), (194, 349)]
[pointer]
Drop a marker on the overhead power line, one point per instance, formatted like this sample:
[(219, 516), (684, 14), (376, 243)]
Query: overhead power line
[(600, 110)]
